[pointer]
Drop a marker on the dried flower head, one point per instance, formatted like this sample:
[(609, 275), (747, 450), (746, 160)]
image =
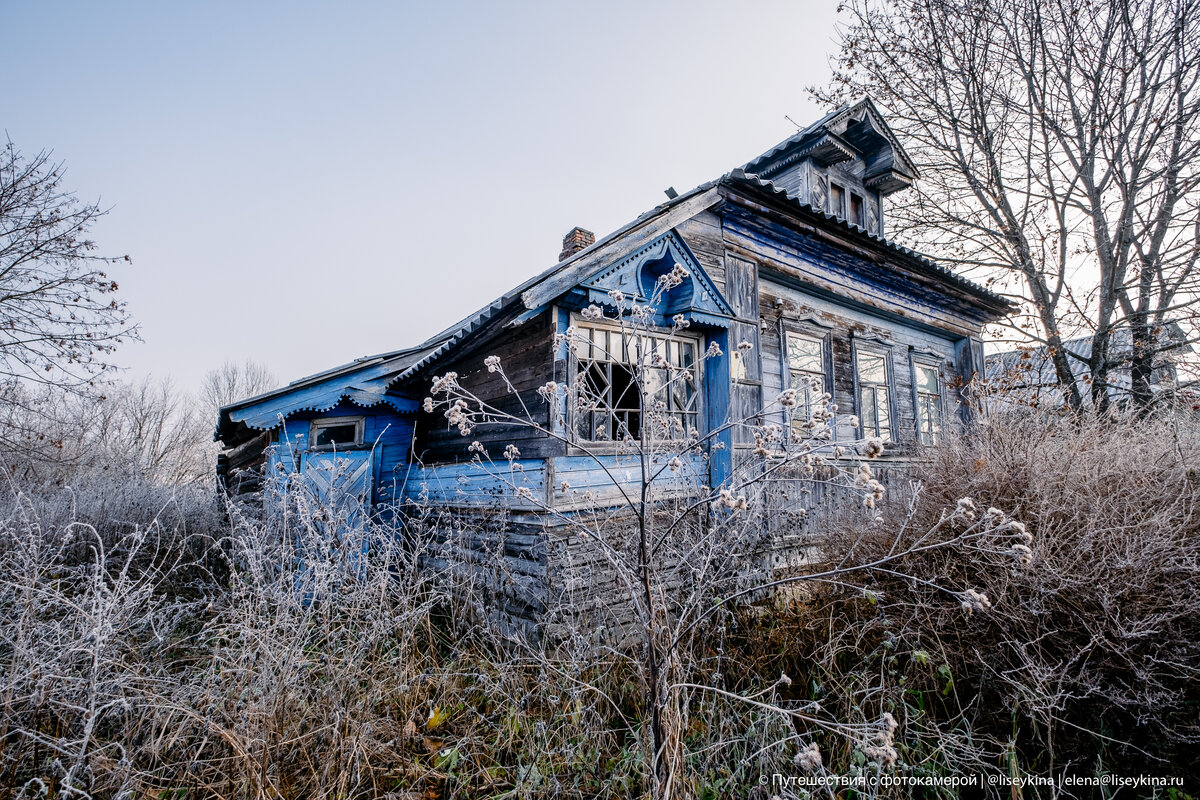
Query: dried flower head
[(726, 499), (1022, 553), (511, 452), (965, 508), (873, 447), (973, 601), (492, 363), (883, 755), (809, 758), (592, 312), (444, 384)]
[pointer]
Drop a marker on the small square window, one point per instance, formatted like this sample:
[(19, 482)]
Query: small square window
[(336, 433)]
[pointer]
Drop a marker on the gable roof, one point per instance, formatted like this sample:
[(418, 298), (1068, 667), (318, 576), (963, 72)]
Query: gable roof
[(367, 381), (362, 382), (830, 131)]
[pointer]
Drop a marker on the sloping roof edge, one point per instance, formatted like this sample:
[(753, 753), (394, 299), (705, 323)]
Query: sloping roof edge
[(362, 381), (986, 297), (828, 120), (562, 277)]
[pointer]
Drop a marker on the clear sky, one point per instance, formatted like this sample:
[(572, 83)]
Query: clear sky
[(305, 183)]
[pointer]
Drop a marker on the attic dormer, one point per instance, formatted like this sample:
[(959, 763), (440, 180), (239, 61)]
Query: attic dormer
[(843, 164)]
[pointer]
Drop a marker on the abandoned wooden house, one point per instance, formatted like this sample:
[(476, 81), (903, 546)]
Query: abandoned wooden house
[(787, 253)]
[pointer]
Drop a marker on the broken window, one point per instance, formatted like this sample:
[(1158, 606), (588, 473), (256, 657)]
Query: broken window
[(336, 433), (626, 380)]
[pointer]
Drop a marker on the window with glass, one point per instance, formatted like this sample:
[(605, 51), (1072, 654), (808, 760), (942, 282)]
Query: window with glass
[(612, 406), (929, 403), (874, 392), (806, 371), (336, 433)]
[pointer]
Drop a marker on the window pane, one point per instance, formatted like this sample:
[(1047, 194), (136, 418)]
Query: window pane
[(884, 411), (868, 413), (805, 353), (927, 379), (872, 368), (656, 386), (331, 435)]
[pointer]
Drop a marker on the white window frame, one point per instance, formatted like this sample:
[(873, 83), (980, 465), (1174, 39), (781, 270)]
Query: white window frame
[(939, 416), (661, 334), (885, 352), (804, 402), (359, 424)]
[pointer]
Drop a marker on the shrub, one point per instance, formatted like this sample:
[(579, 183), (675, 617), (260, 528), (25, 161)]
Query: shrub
[(1086, 651)]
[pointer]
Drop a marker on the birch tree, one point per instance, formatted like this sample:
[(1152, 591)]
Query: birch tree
[(1059, 148)]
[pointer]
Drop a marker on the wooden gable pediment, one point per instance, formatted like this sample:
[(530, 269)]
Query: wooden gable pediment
[(635, 275)]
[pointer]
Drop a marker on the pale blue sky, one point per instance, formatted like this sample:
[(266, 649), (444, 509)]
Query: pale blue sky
[(305, 183)]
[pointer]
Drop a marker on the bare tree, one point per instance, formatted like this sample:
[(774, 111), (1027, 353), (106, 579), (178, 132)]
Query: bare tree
[(149, 430), (59, 319), (233, 381), (1059, 142)]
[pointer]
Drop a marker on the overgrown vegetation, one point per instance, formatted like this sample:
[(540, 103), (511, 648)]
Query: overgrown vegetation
[(155, 644), (1086, 659)]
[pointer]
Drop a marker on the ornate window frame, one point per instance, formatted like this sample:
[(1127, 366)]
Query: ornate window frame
[(689, 418)]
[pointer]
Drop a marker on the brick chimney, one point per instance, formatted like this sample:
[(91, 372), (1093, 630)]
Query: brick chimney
[(576, 240)]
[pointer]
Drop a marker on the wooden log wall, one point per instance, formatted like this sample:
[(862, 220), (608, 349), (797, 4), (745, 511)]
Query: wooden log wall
[(527, 356)]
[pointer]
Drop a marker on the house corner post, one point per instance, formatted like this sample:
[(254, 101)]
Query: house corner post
[(717, 393), (968, 357)]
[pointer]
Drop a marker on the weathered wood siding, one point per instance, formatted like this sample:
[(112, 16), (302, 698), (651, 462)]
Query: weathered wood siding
[(527, 355), (384, 430), (806, 284), (591, 482)]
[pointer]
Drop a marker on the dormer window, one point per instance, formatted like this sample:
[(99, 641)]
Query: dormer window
[(837, 200), (856, 210)]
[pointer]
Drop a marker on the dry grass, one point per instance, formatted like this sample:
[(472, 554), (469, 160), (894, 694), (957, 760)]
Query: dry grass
[(1089, 657)]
